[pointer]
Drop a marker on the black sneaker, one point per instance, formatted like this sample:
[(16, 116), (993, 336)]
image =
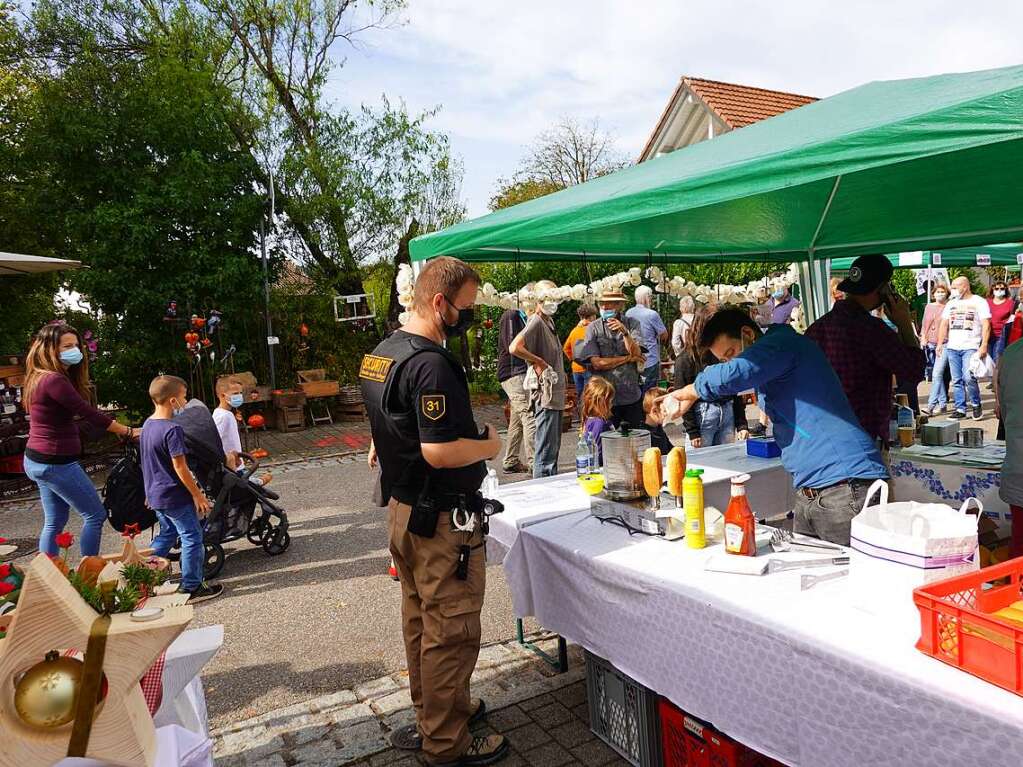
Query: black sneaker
[(204, 593), (486, 749), (978, 412), (957, 415)]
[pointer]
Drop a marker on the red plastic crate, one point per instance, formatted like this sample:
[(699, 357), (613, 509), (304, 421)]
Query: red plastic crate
[(689, 742), (956, 625)]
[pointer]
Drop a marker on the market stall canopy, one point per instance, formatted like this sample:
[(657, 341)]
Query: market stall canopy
[(13, 263), (888, 166), (988, 255)]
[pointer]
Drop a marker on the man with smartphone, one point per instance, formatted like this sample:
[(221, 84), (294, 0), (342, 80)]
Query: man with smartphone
[(863, 350)]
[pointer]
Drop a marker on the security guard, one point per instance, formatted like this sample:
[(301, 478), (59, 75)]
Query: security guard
[(431, 457)]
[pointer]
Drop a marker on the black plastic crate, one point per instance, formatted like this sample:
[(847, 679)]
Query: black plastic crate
[(623, 713)]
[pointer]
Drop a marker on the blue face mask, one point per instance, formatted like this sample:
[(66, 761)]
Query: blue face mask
[(606, 314), (236, 400), (71, 356), (778, 294)]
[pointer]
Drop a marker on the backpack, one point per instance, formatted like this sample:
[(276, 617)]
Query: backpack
[(124, 495)]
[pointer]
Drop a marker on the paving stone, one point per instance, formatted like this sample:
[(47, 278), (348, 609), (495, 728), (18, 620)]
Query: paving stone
[(582, 712), (537, 702), (394, 758), (301, 735), (240, 740), (495, 654), (527, 737), (376, 688), (572, 695), (321, 752), (356, 733), (507, 719), (571, 734), (551, 715), (595, 752), (550, 755), (390, 704), (334, 700), (399, 719), (274, 760), (349, 715)]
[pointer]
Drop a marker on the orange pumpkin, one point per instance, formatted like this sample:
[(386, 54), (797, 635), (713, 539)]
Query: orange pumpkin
[(260, 453), (256, 421), (90, 568)]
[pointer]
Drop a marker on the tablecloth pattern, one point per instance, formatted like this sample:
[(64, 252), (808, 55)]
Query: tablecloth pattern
[(812, 678)]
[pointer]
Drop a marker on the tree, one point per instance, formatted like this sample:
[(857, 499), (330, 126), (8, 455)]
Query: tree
[(512, 192), (123, 165), (571, 153)]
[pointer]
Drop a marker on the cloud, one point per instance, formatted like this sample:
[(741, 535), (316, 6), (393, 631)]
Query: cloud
[(503, 71)]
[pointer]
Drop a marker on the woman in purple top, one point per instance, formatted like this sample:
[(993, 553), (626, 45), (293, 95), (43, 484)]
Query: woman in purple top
[(56, 390)]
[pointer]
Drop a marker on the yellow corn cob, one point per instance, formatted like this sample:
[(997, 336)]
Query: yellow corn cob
[(652, 471), (676, 470)]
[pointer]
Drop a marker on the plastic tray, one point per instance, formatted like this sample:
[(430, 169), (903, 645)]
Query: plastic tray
[(957, 627), (689, 742)]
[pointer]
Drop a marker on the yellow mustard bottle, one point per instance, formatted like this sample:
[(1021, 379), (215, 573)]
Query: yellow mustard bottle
[(692, 504)]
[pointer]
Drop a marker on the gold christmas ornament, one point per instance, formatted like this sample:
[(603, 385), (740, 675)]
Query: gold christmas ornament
[(45, 696)]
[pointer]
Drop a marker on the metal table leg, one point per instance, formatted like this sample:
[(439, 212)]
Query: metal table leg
[(560, 663)]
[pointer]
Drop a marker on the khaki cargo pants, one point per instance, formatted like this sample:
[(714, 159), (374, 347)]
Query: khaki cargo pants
[(441, 627)]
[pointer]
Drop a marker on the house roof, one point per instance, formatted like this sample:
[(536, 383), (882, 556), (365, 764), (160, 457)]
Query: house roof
[(735, 105)]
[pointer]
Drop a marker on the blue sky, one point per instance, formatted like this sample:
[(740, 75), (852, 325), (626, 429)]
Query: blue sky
[(503, 71)]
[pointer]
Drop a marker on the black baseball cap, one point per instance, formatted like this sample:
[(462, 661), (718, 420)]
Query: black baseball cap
[(867, 274)]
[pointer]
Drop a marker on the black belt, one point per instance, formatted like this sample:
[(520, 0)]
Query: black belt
[(812, 493)]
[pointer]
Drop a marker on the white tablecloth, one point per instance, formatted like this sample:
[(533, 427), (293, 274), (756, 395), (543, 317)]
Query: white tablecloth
[(949, 480), (175, 747), (184, 702), (527, 503), (806, 677)]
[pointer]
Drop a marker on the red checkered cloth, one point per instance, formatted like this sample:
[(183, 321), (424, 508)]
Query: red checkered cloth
[(152, 684)]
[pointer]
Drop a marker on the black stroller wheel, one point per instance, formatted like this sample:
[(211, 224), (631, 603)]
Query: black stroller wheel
[(213, 561), (275, 540), (256, 529)]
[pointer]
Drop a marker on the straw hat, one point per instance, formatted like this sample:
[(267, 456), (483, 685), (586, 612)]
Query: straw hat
[(607, 296)]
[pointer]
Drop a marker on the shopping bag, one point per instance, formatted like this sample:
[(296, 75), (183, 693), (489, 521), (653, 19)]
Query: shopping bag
[(981, 368), (931, 536)]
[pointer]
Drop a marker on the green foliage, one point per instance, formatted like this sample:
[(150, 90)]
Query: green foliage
[(125, 597), (511, 192), (140, 575)]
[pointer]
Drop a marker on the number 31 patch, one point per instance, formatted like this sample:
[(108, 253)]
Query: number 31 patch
[(434, 406)]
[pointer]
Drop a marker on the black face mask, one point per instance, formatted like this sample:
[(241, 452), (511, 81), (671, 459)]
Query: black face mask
[(466, 317)]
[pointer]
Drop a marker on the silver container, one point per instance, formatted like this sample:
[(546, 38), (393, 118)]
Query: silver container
[(972, 437), (939, 433), (623, 463)]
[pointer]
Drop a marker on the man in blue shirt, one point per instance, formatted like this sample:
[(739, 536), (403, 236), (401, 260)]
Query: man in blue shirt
[(831, 459), (651, 333)]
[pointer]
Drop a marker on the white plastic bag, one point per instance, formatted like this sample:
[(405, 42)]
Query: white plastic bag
[(931, 536), (981, 368)]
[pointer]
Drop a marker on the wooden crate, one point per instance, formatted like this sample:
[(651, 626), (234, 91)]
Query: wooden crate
[(320, 388), (290, 418), (308, 376), (347, 411), (289, 399)]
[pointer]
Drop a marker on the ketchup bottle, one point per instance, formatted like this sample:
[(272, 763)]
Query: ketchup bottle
[(740, 524)]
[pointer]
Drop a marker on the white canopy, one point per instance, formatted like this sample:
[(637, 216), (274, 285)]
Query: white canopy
[(14, 263)]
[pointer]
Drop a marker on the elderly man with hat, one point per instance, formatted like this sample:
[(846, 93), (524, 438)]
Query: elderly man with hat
[(863, 350), (611, 350)]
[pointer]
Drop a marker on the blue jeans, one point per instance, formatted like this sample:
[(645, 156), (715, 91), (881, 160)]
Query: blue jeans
[(717, 422), (996, 344), (580, 380), (182, 522), (929, 360), (964, 385), (938, 397), (547, 444), (62, 486), (651, 376)]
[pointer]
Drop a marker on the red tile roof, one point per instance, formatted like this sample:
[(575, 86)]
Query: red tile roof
[(741, 105), (736, 105)]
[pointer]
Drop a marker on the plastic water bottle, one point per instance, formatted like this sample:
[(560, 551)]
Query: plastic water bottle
[(583, 456), (489, 486)]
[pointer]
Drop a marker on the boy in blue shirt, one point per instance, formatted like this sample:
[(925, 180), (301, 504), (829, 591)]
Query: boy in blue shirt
[(832, 460), (171, 490)]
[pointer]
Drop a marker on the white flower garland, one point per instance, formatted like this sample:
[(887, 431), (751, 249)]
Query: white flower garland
[(677, 287)]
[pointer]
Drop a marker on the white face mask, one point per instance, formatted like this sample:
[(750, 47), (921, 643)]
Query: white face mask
[(549, 308), (956, 294), (940, 296), (999, 294)]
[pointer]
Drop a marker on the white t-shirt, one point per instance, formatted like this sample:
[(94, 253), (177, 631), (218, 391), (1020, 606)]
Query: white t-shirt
[(227, 426), (966, 322)]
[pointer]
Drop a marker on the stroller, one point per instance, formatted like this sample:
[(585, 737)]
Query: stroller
[(234, 498)]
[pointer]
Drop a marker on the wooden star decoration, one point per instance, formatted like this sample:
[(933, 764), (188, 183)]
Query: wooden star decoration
[(51, 615)]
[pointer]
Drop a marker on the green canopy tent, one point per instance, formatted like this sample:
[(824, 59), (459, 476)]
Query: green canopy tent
[(989, 255), (888, 166)]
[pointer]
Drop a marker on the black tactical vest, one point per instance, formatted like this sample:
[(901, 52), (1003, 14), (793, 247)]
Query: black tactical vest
[(395, 425)]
